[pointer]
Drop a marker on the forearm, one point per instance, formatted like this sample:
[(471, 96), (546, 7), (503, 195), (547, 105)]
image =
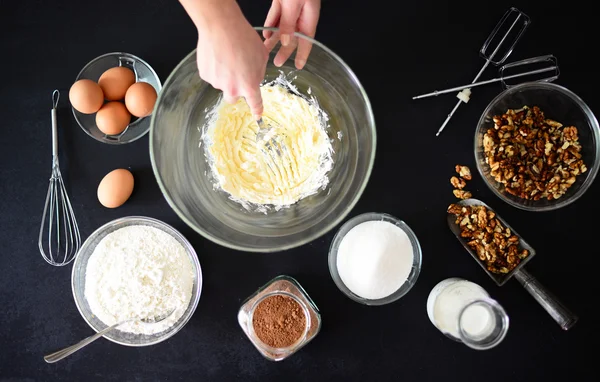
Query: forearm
[(204, 13)]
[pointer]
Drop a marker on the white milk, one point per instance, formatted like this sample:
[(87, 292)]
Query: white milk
[(448, 298)]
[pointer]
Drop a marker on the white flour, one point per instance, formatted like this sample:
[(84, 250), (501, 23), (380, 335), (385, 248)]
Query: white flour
[(139, 271)]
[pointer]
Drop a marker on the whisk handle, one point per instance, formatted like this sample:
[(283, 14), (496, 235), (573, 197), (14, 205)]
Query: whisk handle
[(55, 98), (54, 134), (61, 354)]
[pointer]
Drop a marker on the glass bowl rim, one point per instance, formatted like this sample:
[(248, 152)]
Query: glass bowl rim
[(375, 216), (172, 232), (307, 238), (591, 118)]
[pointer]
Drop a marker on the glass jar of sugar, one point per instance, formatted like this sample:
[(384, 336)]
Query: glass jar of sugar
[(279, 318), (464, 312)]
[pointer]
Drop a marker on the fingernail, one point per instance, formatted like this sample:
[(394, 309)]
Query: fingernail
[(285, 39), (257, 117), (300, 63)]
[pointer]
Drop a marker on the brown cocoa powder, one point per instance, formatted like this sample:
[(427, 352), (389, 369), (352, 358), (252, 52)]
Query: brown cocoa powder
[(279, 321)]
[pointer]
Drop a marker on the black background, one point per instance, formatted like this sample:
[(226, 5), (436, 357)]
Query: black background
[(397, 49)]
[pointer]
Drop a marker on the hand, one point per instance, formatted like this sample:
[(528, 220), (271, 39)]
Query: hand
[(292, 16), (230, 54)]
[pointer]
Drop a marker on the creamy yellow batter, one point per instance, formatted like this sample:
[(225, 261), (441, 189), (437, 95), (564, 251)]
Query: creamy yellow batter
[(248, 171)]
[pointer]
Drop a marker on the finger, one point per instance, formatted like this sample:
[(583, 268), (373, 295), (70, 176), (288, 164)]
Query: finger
[(271, 41), (307, 24), (272, 17), (230, 99), (255, 102), (284, 53), (290, 12)]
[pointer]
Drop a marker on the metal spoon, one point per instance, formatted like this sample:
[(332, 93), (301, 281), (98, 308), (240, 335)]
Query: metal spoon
[(61, 354)]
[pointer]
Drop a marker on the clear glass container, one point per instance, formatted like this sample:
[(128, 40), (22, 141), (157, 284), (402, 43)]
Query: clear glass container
[(138, 127), (482, 335), (78, 282), (559, 104), (375, 216), (289, 287), (184, 175), (464, 312)]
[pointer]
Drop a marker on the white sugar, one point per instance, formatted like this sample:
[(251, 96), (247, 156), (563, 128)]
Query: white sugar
[(374, 259)]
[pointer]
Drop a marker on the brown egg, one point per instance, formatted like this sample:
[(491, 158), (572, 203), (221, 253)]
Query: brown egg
[(86, 96), (140, 99), (112, 118), (115, 188), (115, 82)]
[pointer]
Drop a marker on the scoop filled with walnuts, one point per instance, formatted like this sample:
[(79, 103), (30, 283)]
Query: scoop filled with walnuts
[(496, 246), (532, 156)]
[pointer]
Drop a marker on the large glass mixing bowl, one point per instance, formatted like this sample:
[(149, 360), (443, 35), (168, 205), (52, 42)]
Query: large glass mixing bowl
[(183, 173)]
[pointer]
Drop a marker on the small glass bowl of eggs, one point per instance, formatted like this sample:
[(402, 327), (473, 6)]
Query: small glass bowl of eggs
[(113, 96)]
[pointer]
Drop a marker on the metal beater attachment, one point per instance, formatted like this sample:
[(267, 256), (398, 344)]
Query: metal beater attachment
[(541, 69), (59, 239), (498, 46)]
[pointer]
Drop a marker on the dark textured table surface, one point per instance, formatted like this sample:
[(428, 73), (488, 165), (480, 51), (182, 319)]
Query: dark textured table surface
[(396, 53)]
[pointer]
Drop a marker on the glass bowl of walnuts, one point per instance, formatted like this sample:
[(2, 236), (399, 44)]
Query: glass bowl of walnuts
[(537, 146)]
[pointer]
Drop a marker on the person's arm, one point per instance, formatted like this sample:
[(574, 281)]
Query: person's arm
[(230, 54), (202, 11)]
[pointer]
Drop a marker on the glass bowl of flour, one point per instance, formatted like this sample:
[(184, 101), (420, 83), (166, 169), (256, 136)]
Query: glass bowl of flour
[(211, 171), (136, 267)]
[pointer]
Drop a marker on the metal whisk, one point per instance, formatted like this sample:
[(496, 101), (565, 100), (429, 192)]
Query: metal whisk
[(58, 220)]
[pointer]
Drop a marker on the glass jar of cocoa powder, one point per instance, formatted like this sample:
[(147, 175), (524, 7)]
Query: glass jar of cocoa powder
[(279, 318)]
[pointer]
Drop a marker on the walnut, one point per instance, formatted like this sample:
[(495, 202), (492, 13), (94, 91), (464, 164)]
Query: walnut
[(464, 172), (462, 194), (458, 182), (570, 134), (495, 245), (455, 209), (532, 156)]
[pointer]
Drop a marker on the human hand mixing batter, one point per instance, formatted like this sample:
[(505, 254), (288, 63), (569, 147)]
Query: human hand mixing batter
[(255, 177), (230, 54)]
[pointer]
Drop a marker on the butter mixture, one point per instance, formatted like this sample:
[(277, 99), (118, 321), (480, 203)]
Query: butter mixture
[(253, 174)]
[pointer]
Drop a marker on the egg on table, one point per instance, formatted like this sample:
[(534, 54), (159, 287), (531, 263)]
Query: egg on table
[(140, 99), (113, 118), (115, 188), (86, 96), (115, 81)]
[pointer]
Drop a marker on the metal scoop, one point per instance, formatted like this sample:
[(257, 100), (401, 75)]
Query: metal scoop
[(498, 46), (61, 354), (563, 316)]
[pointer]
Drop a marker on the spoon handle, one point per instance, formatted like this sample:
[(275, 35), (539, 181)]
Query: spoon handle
[(561, 314), (57, 356)]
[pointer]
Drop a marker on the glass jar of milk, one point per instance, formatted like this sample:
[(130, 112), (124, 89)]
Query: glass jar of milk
[(464, 312)]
